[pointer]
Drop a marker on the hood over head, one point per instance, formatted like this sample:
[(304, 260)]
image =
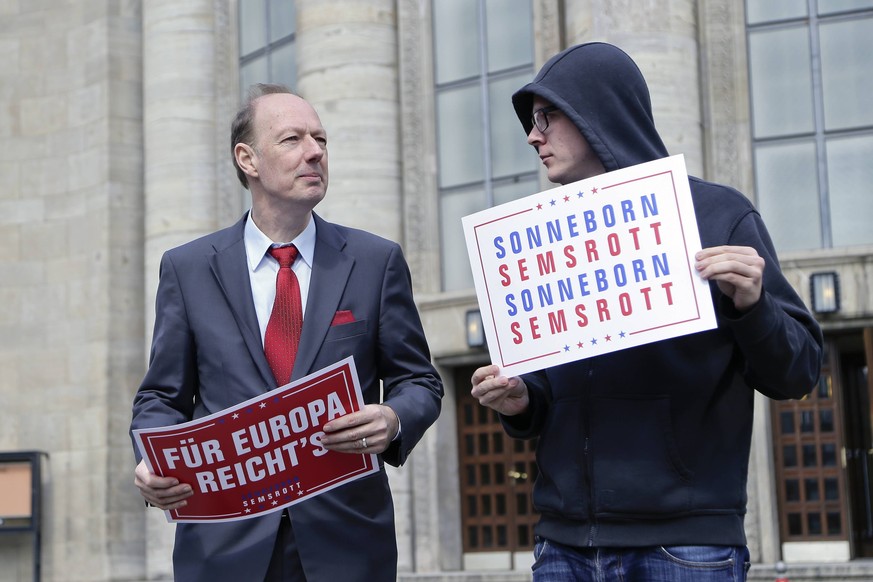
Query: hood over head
[(601, 89)]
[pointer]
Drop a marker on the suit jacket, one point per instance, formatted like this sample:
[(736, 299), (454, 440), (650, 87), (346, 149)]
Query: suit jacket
[(207, 355)]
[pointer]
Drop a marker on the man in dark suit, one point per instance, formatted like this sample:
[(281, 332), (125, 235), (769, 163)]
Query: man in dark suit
[(213, 305)]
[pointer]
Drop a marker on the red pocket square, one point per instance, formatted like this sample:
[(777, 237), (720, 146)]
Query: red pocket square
[(342, 317)]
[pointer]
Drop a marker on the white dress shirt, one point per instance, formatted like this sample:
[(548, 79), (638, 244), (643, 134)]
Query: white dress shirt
[(263, 268)]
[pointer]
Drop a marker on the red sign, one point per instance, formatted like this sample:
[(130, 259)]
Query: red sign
[(263, 454)]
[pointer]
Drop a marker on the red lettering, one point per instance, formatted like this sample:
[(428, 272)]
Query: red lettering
[(667, 290), (580, 313), (571, 258), (504, 272), (635, 233), (656, 227), (516, 334), (522, 269), (557, 322), (614, 244), (534, 328), (603, 310), (624, 304), (591, 249)]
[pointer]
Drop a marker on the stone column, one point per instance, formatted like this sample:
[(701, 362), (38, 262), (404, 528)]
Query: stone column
[(179, 130), (662, 37), (347, 68)]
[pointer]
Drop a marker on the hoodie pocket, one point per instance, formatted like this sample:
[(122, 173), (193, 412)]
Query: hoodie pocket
[(636, 466)]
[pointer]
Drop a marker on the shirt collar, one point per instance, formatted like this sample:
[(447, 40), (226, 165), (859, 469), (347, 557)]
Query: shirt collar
[(257, 243)]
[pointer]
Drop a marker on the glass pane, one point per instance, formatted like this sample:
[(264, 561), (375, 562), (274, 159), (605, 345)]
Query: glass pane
[(794, 524), (483, 444), (469, 445), (283, 18), (498, 442), (499, 473), (845, 67), (472, 506), (824, 388), (500, 504), (456, 39), (811, 487), (484, 474), (510, 33), (486, 505), (455, 262), (253, 72), (283, 66), (792, 490), (850, 174), (786, 420), (807, 421), (781, 82), (834, 524), (809, 458), (766, 10), (829, 455), (813, 520), (473, 536), (514, 190), (832, 489), (787, 184), (789, 456), (252, 25), (826, 420), (830, 6), (459, 134), (510, 152)]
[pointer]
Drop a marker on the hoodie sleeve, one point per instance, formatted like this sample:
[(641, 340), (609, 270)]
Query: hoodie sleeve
[(780, 340)]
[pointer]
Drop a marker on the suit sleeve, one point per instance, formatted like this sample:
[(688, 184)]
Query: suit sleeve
[(412, 386), (166, 395)]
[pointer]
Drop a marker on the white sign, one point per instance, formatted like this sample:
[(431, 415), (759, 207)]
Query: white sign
[(589, 268)]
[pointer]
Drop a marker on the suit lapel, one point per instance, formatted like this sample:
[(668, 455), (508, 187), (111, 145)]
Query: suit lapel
[(230, 267), (330, 272)]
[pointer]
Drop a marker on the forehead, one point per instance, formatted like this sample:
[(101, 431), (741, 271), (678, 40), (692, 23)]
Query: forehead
[(280, 112), (539, 103)]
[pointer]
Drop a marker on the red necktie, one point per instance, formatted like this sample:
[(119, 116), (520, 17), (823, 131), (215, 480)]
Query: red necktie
[(283, 330)]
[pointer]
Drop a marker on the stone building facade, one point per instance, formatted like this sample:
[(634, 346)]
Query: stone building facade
[(114, 146)]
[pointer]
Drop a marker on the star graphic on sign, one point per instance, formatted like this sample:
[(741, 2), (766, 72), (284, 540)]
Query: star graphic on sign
[(275, 503), (539, 206), (566, 198), (594, 190), (594, 341), (609, 338), (263, 405), (566, 348), (235, 415), (248, 510), (580, 194), (579, 345), (621, 334), (552, 202), (299, 492)]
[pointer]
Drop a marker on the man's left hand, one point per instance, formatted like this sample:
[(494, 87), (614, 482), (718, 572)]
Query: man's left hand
[(738, 271), (370, 430)]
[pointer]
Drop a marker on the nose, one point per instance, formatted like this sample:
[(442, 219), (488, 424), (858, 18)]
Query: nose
[(535, 137), (312, 149)]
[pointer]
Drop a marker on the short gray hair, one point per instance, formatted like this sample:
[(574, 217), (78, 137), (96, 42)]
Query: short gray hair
[(242, 129)]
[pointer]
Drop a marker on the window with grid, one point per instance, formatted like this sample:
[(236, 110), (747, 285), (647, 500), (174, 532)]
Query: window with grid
[(483, 53), (812, 123), (809, 465), (267, 30)]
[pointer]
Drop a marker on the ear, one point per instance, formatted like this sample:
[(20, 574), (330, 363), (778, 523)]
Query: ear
[(246, 159)]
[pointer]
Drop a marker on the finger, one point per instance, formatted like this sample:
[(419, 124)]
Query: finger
[(484, 373)]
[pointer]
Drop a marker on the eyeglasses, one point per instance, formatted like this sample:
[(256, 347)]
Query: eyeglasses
[(540, 117)]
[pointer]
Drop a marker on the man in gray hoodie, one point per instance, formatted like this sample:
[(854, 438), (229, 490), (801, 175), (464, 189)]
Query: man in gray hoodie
[(643, 453)]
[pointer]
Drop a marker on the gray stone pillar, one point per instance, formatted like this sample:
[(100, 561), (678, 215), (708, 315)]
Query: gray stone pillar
[(347, 69), (661, 36), (179, 132)]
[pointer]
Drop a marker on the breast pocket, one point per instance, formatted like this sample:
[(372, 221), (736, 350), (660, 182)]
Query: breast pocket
[(346, 330)]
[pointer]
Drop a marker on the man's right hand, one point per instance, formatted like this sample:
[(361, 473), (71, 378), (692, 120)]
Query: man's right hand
[(162, 492), (508, 396)]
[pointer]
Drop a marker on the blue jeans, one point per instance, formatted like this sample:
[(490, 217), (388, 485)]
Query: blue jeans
[(558, 563)]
